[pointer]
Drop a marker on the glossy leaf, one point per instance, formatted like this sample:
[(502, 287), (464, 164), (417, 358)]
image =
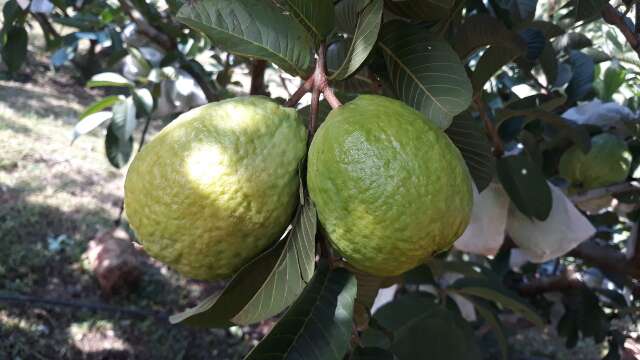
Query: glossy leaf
[(428, 10), (143, 100), (118, 150), (318, 325), (14, 50), (583, 70), (99, 105), (425, 72), (584, 10), (252, 28), (525, 185), (124, 118), (479, 31), (495, 292), (89, 123), (108, 79), (494, 322), (364, 38), (316, 15), (265, 286), (291, 273), (423, 329), (468, 135), (490, 62)]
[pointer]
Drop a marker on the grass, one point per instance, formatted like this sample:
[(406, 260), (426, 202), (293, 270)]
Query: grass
[(54, 198)]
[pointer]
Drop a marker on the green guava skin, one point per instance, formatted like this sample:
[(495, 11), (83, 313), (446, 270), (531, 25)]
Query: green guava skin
[(607, 162), (389, 186), (216, 186)]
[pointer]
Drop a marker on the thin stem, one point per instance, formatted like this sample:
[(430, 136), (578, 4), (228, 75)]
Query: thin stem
[(613, 17), (331, 98), (302, 91), (498, 147), (258, 69), (313, 114)]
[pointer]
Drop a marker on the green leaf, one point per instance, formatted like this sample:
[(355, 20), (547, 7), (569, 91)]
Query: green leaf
[(425, 73), (525, 185), (584, 10), (109, 79), (89, 123), (428, 10), (143, 100), (364, 38), (14, 50), (614, 77), (423, 329), (583, 69), (523, 10), (261, 289), (492, 320), (291, 273), (319, 324), (316, 15), (549, 29), (490, 62), (479, 31), (142, 63), (99, 105), (372, 353), (468, 135), (124, 118), (572, 41), (549, 63), (118, 150), (492, 291), (252, 28)]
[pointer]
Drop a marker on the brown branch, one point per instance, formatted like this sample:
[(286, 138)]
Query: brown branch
[(147, 29), (258, 68), (313, 114), (613, 17), (492, 131), (45, 24), (302, 91), (606, 258), (597, 193), (562, 282)]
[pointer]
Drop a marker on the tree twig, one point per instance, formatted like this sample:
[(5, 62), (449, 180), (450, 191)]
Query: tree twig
[(605, 191), (258, 68), (302, 91), (613, 17), (606, 258), (147, 29), (492, 131)]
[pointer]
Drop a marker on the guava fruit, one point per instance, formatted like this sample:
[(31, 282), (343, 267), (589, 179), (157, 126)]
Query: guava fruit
[(607, 162), (216, 186), (389, 186)]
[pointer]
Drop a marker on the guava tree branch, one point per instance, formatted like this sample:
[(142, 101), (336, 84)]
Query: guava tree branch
[(490, 128), (598, 193), (258, 68), (614, 17), (606, 258)]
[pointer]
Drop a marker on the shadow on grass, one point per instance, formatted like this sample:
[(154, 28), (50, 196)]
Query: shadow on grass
[(32, 264), (38, 102)]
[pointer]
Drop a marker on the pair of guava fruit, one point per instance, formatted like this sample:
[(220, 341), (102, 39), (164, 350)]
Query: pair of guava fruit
[(220, 184)]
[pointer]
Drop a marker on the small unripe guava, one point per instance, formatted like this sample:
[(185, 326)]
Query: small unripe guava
[(607, 162)]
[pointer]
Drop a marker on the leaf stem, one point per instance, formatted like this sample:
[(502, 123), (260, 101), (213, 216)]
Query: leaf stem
[(498, 147)]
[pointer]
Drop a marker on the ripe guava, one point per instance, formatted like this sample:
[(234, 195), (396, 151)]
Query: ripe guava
[(607, 162), (389, 186), (216, 186)]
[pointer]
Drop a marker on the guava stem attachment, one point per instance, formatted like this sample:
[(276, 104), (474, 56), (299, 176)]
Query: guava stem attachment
[(302, 91)]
